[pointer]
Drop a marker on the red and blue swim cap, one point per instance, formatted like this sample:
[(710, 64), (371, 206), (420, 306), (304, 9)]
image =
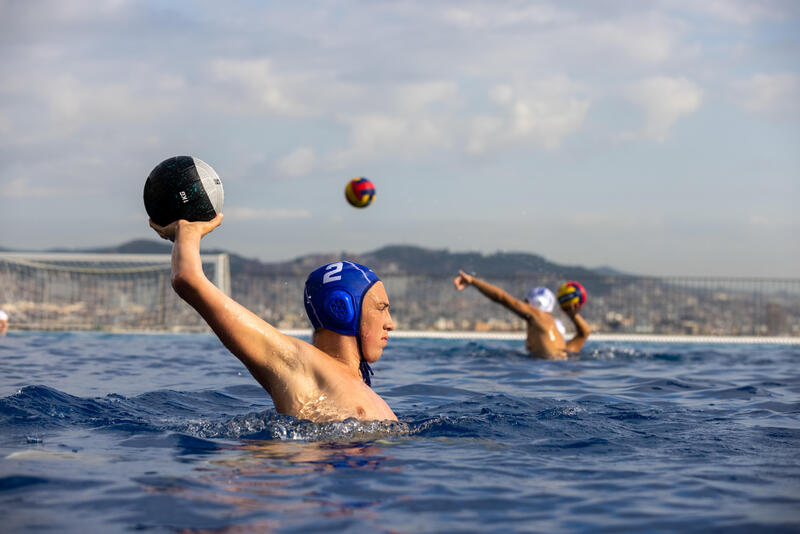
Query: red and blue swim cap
[(334, 293)]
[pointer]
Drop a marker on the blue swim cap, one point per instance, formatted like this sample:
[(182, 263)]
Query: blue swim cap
[(333, 296)]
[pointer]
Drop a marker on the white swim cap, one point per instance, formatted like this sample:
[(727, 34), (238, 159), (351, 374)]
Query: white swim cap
[(542, 298), (3, 316)]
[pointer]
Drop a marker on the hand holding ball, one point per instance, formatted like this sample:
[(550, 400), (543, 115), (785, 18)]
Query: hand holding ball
[(359, 192), (183, 187), (571, 294)]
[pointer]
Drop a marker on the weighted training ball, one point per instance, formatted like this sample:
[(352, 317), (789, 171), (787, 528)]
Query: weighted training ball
[(183, 187), (571, 293), (359, 192)]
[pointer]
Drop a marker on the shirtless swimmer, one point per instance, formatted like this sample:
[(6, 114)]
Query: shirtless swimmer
[(545, 333), (324, 381)]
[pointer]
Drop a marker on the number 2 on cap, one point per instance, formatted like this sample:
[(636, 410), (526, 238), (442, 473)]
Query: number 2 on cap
[(332, 269)]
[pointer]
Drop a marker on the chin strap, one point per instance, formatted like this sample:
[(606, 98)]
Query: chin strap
[(363, 366), (366, 370)]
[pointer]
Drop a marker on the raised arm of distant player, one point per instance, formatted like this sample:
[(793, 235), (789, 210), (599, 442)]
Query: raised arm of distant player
[(522, 309)]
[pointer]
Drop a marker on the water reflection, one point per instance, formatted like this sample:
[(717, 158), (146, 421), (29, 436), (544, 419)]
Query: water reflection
[(273, 484), (322, 456)]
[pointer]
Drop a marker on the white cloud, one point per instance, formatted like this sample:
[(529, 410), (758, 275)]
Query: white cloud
[(775, 94), (65, 104), (758, 221), (742, 12), (299, 162), (83, 11), (27, 188), (380, 134), (637, 38), (665, 100), (417, 96), (74, 100), (541, 113), (250, 214), (410, 120), (300, 91), (263, 88), (499, 16), (486, 131), (463, 18)]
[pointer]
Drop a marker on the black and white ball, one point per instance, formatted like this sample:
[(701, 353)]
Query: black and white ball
[(183, 187)]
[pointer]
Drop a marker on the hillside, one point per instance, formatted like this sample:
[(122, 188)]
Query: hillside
[(391, 259)]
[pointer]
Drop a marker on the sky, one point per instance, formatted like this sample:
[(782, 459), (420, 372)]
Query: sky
[(657, 137)]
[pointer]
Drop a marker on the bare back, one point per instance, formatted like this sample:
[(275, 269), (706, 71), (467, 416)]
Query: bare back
[(544, 339)]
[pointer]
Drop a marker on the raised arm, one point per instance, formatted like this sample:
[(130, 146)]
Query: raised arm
[(581, 327), (496, 294), (267, 353)]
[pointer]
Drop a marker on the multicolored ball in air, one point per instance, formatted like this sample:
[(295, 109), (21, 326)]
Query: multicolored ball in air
[(360, 192), (571, 293)]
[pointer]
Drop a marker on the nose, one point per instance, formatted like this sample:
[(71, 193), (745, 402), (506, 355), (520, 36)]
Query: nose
[(389, 325)]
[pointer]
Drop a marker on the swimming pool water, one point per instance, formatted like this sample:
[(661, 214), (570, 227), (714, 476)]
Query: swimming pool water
[(169, 433)]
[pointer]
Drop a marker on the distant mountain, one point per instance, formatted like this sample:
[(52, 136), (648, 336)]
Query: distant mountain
[(147, 246), (391, 259), (605, 270), (137, 246), (417, 260)]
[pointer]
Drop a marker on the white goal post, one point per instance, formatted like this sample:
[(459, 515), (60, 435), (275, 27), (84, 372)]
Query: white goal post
[(110, 292)]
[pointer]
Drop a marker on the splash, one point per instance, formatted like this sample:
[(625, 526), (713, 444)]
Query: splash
[(271, 425)]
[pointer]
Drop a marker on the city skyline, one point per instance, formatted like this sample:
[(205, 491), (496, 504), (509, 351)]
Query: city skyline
[(654, 138)]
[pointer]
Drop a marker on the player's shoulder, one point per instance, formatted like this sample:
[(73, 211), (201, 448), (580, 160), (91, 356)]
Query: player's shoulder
[(310, 359), (539, 317)]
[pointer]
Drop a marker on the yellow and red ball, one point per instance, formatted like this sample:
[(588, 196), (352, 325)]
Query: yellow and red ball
[(359, 192), (571, 293)]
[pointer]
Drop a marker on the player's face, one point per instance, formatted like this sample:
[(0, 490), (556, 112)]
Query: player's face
[(376, 322)]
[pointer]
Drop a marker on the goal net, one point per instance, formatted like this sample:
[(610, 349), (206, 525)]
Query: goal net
[(109, 292)]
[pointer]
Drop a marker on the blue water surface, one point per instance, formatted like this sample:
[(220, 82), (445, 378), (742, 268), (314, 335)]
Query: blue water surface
[(169, 433)]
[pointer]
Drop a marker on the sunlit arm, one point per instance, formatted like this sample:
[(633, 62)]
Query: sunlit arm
[(582, 330), (267, 353)]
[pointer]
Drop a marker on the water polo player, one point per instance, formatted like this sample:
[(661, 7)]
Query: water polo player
[(545, 333), (324, 381)]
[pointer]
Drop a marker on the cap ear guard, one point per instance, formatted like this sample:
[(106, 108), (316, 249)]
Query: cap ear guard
[(338, 306)]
